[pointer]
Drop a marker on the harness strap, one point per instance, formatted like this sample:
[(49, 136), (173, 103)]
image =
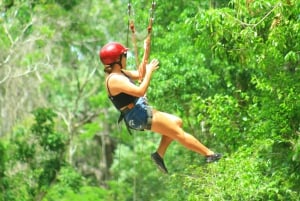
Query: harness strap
[(107, 84), (121, 117)]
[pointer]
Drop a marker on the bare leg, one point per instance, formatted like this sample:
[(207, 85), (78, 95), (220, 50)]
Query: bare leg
[(165, 140), (164, 143), (170, 127)]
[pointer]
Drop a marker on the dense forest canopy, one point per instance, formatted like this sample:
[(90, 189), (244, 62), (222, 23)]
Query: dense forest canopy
[(229, 68)]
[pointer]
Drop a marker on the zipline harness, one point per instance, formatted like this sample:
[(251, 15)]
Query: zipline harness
[(132, 28), (133, 31)]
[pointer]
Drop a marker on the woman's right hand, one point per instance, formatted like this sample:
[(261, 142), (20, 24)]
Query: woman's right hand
[(152, 66)]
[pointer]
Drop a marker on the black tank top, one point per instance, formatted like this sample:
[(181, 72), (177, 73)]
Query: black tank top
[(122, 99)]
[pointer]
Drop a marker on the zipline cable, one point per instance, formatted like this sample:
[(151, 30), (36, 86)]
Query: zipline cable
[(132, 28)]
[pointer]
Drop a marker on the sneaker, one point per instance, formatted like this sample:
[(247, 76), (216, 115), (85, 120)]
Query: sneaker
[(213, 158), (159, 162)]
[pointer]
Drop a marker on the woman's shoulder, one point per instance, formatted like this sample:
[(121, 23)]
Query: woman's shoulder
[(116, 77)]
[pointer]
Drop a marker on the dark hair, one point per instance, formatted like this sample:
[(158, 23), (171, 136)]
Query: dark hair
[(108, 69)]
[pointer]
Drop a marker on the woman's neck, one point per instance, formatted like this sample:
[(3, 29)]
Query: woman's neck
[(116, 69)]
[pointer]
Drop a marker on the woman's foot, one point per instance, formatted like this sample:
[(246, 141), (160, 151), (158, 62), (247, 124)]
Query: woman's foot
[(213, 158), (157, 159)]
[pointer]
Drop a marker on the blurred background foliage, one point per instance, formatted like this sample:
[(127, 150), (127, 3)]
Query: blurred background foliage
[(229, 68)]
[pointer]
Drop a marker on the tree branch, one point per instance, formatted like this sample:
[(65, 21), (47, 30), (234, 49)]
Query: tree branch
[(260, 21)]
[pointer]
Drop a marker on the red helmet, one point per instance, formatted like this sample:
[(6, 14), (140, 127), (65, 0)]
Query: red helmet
[(111, 52)]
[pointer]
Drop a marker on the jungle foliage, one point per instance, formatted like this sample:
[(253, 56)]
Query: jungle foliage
[(229, 68)]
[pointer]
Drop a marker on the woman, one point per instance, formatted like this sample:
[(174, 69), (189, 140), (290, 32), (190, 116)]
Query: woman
[(130, 100)]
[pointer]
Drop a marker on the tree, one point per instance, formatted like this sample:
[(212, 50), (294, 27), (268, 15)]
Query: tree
[(230, 69)]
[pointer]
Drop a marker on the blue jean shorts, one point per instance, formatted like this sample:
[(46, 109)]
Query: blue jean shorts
[(139, 117)]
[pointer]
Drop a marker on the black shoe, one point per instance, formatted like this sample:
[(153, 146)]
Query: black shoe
[(213, 158), (159, 162)]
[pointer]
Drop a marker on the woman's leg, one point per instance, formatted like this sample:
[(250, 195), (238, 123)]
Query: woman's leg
[(165, 141), (170, 127)]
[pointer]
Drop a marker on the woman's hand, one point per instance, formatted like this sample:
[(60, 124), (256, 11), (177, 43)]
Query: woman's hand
[(152, 66)]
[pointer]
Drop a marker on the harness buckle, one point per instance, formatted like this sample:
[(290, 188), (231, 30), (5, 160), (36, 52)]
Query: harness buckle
[(127, 107)]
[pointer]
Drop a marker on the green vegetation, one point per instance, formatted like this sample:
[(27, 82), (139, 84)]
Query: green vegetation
[(230, 69)]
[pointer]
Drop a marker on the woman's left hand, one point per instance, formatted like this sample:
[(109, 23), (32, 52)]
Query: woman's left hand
[(153, 65)]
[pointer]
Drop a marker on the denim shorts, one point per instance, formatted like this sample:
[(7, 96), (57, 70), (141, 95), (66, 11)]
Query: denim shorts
[(139, 117)]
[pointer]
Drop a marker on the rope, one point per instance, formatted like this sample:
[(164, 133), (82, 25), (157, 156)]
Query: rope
[(129, 13), (132, 28), (133, 31), (135, 161), (153, 5), (134, 40)]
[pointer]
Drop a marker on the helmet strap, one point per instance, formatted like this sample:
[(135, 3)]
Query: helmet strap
[(120, 61), (117, 62)]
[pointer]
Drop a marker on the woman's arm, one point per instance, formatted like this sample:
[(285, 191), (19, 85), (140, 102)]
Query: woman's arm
[(142, 66), (132, 74), (140, 73), (121, 84)]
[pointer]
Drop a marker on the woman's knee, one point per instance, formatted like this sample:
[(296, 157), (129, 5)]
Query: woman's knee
[(178, 121), (166, 123), (180, 137)]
